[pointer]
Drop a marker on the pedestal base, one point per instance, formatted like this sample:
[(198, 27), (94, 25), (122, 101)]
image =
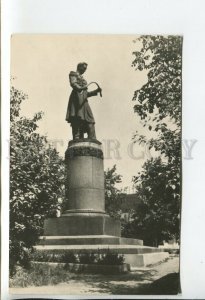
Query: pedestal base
[(135, 255), (82, 224), (95, 232), (145, 259)]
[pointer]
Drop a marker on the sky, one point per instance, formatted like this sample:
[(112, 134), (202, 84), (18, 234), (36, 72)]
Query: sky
[(40, 65)]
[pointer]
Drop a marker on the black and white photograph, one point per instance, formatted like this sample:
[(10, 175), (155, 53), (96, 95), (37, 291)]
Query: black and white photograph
[(95, 164), (102, 149)]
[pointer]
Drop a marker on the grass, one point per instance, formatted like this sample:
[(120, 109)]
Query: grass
[(140, 282), (40, 274)]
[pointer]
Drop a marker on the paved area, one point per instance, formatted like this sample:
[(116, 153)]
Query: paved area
[(127, 284)]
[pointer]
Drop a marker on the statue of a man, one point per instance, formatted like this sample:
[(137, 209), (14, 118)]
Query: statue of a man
[(79, 113)]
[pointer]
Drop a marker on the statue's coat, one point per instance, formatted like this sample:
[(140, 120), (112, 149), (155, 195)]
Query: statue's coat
[(78, 106)]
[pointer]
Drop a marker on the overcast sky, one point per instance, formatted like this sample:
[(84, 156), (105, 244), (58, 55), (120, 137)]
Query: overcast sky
[(41, 64)]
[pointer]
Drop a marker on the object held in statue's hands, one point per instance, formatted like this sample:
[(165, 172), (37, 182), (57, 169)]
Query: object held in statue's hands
[(99, 88)]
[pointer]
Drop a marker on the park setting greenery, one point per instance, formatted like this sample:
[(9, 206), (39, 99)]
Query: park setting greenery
[(108, 257), (158, 104), (36, 181), (37, 172)]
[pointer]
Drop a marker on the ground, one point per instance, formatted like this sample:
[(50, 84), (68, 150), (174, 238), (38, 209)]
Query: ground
[(159, 279)]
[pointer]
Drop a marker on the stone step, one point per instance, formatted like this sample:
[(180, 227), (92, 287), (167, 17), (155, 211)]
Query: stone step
[(145, 259), (88, 240), (121, 249)]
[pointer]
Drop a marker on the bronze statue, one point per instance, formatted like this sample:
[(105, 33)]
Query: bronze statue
[(79, 113)]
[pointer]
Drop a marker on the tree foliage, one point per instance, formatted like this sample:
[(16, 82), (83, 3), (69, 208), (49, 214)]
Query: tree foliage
[(112, 193), (157, 216), (36, 180), (161, 56), (158, 104), (159, 100)]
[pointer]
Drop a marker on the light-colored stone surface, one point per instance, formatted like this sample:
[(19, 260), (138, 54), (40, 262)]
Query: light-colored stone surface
[(123, 249), (72, 237), (143, 260), (86, 144), (88, 240)]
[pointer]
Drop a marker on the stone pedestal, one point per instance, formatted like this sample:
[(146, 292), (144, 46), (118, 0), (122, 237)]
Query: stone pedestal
[(85, 207)]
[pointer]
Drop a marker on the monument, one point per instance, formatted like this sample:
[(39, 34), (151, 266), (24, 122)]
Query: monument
[(84, 225), (79, 113)]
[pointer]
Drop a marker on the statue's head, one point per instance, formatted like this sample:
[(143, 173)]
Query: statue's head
[(82, 67)]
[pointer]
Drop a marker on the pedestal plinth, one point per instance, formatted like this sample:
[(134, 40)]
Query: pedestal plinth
[(85, 206)]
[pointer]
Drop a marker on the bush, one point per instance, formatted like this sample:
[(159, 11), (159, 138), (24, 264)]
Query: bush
[(111, 258), (88, 258), (108, 258), (69, 257), (20, 254), (54, 256)]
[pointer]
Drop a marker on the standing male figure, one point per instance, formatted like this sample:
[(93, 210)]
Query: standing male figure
[(79, 113)]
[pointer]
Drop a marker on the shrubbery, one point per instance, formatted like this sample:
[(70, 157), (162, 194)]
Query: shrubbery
[(39, 275), (108, 258), (111, 258), (88, 258), (54, 256)]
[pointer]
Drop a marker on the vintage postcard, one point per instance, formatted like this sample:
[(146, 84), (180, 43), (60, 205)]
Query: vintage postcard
[(95, 164)]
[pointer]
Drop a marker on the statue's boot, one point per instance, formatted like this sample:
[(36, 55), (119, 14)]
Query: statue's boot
[(75, 131), (81, 131), (91, 131)]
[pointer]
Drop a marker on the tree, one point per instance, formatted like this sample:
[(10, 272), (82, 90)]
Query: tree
[(159, 100), (157, 216), (159, 108), (112, 193), (36, 180), (161, 56)]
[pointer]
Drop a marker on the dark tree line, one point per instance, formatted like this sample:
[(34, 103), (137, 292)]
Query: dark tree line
[(158, 104), (36, 180)]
